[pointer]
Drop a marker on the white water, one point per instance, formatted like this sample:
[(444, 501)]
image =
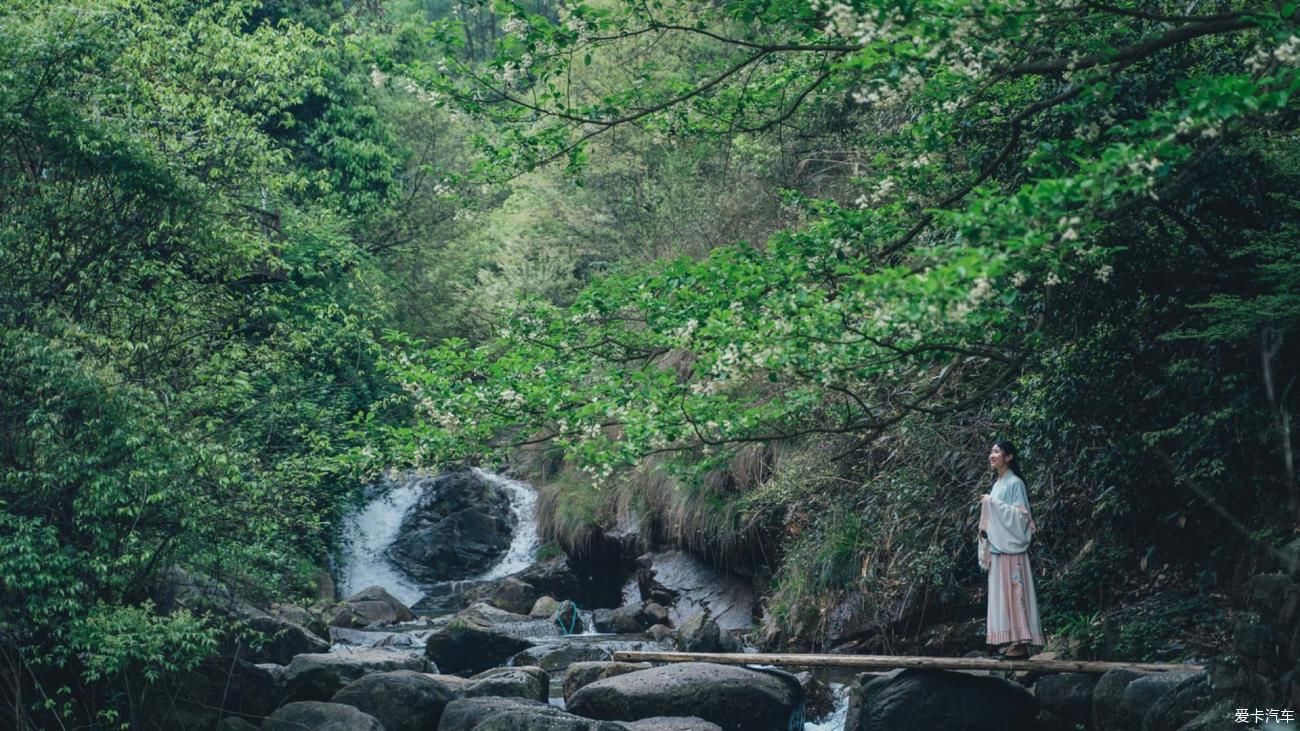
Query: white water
[(524, 544), (370, 531), (835, 722)]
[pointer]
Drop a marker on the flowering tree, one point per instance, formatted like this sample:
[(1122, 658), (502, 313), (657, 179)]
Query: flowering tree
[(1014, 161)]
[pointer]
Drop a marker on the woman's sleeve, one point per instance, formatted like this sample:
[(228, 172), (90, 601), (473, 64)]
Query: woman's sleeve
[(1018, 496)]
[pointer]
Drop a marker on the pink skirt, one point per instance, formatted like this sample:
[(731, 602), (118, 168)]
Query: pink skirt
[(1013, 605)]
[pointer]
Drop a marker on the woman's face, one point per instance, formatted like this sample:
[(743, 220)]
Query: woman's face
[(998, 460)]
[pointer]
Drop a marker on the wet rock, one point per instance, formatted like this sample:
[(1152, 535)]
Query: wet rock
[(219, 686), (936, 700), (602, 620), (484, 613), (518, 682), (735, 698), (556, 578), (580, 674), (374, 604), (1180, 705), (320, 716), (819, 701), (1065, 700), (1107, 696), (401, 700), (1141, 695), (654, 613), (514, 596), (544, 607), (458, 527), (514, 714), (455, 682), (449, 597), (687, 585), (318, 676), (469, 646), (672, 723), (561, 658), (568, 619), (627, 620), (699, 633), (660, 632)]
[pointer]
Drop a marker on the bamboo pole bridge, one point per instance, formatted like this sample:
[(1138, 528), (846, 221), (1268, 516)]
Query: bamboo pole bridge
[(900, 661)]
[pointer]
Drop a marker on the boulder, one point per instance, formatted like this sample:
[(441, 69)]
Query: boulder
[(455, 682), (819, 700), (1107, 696), (520, 682), (699, 633), (602, 620), (515, 714), (1141, 695), (320, 716), (654, 613), (374, 605), (568, 619), (514, 596), (1185, 701), (660, 632), (544, 607), (449, 597), (686, 585), (561, 658), (469, 646), (318, 676), (487, 614), (402, 700), (627, 620), (1065, 700), (220, 685), (459, 526), (934, 700), (284, 638), (556, 578), (408, 641), (735, 698), (580, 674), (672, 723)]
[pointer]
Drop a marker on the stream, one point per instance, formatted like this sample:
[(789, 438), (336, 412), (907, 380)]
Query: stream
[(362, 563)]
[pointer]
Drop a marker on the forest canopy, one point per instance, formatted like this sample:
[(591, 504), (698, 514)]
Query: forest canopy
[(252, 252)]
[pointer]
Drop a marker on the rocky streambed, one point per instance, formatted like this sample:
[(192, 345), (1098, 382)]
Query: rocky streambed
[(519, 646)]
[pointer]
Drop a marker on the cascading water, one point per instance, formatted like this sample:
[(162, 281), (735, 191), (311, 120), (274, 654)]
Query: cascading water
[(370, 530), (834, 722), (525, 542)]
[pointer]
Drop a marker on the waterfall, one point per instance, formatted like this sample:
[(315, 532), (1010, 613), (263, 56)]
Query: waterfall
[(370, 530), (525, 542)]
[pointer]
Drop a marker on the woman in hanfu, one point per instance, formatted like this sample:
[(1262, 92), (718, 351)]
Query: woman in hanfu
[(1006, 528)]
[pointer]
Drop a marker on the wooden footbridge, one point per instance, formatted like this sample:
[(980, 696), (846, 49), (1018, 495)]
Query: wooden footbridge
[(877, 662)]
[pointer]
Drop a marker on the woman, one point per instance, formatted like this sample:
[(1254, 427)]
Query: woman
[(1006, 527)]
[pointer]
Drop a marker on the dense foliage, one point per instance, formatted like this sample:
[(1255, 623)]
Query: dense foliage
[(1078, 219), (769, 273), (187, 326)]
